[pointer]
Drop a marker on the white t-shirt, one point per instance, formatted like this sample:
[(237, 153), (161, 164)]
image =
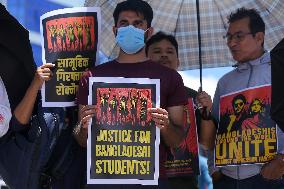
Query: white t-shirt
[(5, 110)]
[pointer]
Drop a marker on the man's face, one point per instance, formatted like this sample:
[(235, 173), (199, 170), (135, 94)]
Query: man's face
[(127, 18), (164, 53), (241, 42), (256, 106), (238, 105)]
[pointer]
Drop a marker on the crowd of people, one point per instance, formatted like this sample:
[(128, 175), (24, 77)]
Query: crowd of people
[(144, 54)]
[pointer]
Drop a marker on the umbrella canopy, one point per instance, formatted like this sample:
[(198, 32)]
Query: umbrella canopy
[(179, 17)]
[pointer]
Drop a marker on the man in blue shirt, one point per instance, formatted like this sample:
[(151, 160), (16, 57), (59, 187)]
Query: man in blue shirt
[(245, 39)]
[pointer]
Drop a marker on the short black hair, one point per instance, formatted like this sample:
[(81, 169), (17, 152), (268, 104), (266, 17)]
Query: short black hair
[(159, 37), (256, 23), (241, 97), (138, 6)]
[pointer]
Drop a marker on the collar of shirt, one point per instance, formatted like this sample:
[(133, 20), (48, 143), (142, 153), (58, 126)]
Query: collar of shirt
[(265, 58)]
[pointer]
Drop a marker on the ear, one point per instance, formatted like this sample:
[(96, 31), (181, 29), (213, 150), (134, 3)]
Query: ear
[(259, 37), (178, 62), (150, 32), (114, 30)]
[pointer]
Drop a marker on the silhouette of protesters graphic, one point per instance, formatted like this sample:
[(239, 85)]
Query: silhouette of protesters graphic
[(71, 36), (123, 108), (133, 106), (113, 105), (88, 35), (104, 106), (62, 35), (53, 37), (79, 27), (143, 108)]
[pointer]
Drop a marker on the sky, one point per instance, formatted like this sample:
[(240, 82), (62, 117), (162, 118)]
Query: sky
[(70, 3), (209, 81)]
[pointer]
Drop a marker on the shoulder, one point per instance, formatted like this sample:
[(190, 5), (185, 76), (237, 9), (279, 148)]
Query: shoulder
[(167, 71), (190, 92), (160, 71), (91, 71), (105, 65), (158, 66), (228, 77)]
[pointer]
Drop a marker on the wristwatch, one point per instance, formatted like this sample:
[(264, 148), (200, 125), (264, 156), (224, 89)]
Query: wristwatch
[(77, 128)]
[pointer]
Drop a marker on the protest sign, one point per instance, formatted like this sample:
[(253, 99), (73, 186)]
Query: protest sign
[(123, 142), (70, 39), (183, 161), (246, 133)]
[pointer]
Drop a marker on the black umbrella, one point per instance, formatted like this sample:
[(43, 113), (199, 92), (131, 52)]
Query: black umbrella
[(16, 58), (277, 71)]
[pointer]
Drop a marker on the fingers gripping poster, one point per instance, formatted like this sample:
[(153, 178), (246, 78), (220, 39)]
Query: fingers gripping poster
[(246, 133), (123, 142), (70, 39)]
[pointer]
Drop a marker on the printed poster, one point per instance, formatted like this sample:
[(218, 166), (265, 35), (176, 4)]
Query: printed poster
[(123, 142), (246, 133), (70, 39), (183, 161)]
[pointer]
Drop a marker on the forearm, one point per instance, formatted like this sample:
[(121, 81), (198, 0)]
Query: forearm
[(80, 135), (208, 134), (24, 110), (173, 135), (280, 157)]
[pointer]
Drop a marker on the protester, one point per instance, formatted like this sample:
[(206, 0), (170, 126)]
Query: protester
[(18, 68), (22, 82), (132, 20), (19, 126), (245, 39), (163, 48)]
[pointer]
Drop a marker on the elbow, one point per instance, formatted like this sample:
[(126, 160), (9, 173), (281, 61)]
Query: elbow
[(21, 118)]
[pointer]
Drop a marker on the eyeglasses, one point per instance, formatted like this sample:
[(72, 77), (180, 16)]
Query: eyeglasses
[(237, 37), (238, 104)]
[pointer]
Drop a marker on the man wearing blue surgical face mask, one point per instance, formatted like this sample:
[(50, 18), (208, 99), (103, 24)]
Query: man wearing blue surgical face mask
[(132, 27), (130, 39), (131, 31)]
